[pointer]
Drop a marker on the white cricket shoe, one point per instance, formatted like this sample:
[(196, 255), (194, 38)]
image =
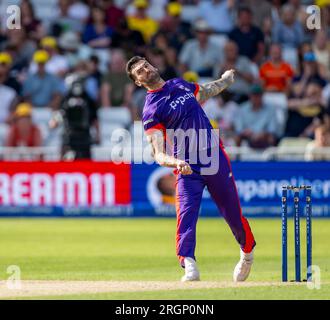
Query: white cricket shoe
[(243, 267), (191, 270)]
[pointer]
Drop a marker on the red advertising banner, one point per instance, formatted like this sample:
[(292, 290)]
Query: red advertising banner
[(79, 183)]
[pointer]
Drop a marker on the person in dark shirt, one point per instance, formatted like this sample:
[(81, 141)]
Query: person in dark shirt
[(93, 68), (20, 47), (131, 41), (97, 34), (78, 114), (10, 80), (307, 112), (310, 73), (158, 59), (32, 25), (249, 38), (177, 30)]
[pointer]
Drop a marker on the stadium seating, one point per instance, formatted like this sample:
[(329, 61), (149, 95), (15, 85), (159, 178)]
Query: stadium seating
[(41, 117), (280, 103), (3, 133), (189, 13), (119, 115), (289, 142), (291, 148), (111, 119), (219, 39)]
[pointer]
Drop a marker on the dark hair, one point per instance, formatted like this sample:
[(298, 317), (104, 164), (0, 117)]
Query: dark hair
[(156, 51), (30, 7), (244, 9), (131, 62), (95, 59), (122, 24), (99, 8)]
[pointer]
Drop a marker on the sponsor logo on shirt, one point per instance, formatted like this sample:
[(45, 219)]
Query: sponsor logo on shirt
[(181, 100)]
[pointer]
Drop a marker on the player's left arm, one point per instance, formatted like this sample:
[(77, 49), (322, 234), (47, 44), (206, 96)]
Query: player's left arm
[(211, 89)]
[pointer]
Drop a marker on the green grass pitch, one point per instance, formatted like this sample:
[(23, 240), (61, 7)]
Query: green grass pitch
[(144, 250)]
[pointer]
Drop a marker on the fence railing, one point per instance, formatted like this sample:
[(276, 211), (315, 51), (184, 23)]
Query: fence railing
[(133, 154), (30, 153)]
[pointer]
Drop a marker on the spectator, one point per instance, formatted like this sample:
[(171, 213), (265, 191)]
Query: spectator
[(116, 89), (289, 33), (218, 13), (23, 132), (20, 48), (321, 49), (326, 18), (79, 11), (43, 89), (94, 69), (190, 76), (256, 122), (307, 112), (200, 55), (161, 41), (300, 9), (304, 48), (249, 38), (64, 23), (155, 9), (158, 59), (244, 75), (3, 37), (97, 33), (137, 103), (140, 21), (131, 41), (261, 11), (5, 65), (276, 74), (266, 29), (310, 73), (79, 115), (222, 112), (83, 69), (7, 94), (113, 13), (276, 10), (177, 30), (73, 50), (57, 63), (33, 26), (319, 148)]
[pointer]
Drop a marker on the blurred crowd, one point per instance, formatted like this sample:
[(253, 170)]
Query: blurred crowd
[(282, 67)]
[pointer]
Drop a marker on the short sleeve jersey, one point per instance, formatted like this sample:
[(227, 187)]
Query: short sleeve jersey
[(175, 110)]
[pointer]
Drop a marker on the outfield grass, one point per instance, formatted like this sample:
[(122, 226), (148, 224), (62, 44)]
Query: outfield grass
[(144, 249)]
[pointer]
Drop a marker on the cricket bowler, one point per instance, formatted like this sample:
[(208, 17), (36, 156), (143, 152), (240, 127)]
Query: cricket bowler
[(175, 106)]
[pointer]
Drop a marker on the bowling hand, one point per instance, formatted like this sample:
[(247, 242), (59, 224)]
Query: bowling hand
[(228, 77), (183, 167)]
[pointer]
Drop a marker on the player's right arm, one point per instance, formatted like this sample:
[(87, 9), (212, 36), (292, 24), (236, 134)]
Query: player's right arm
[(156, 139), (211, 89)]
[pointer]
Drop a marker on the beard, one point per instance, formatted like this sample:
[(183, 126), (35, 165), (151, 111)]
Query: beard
[(152, 78)]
